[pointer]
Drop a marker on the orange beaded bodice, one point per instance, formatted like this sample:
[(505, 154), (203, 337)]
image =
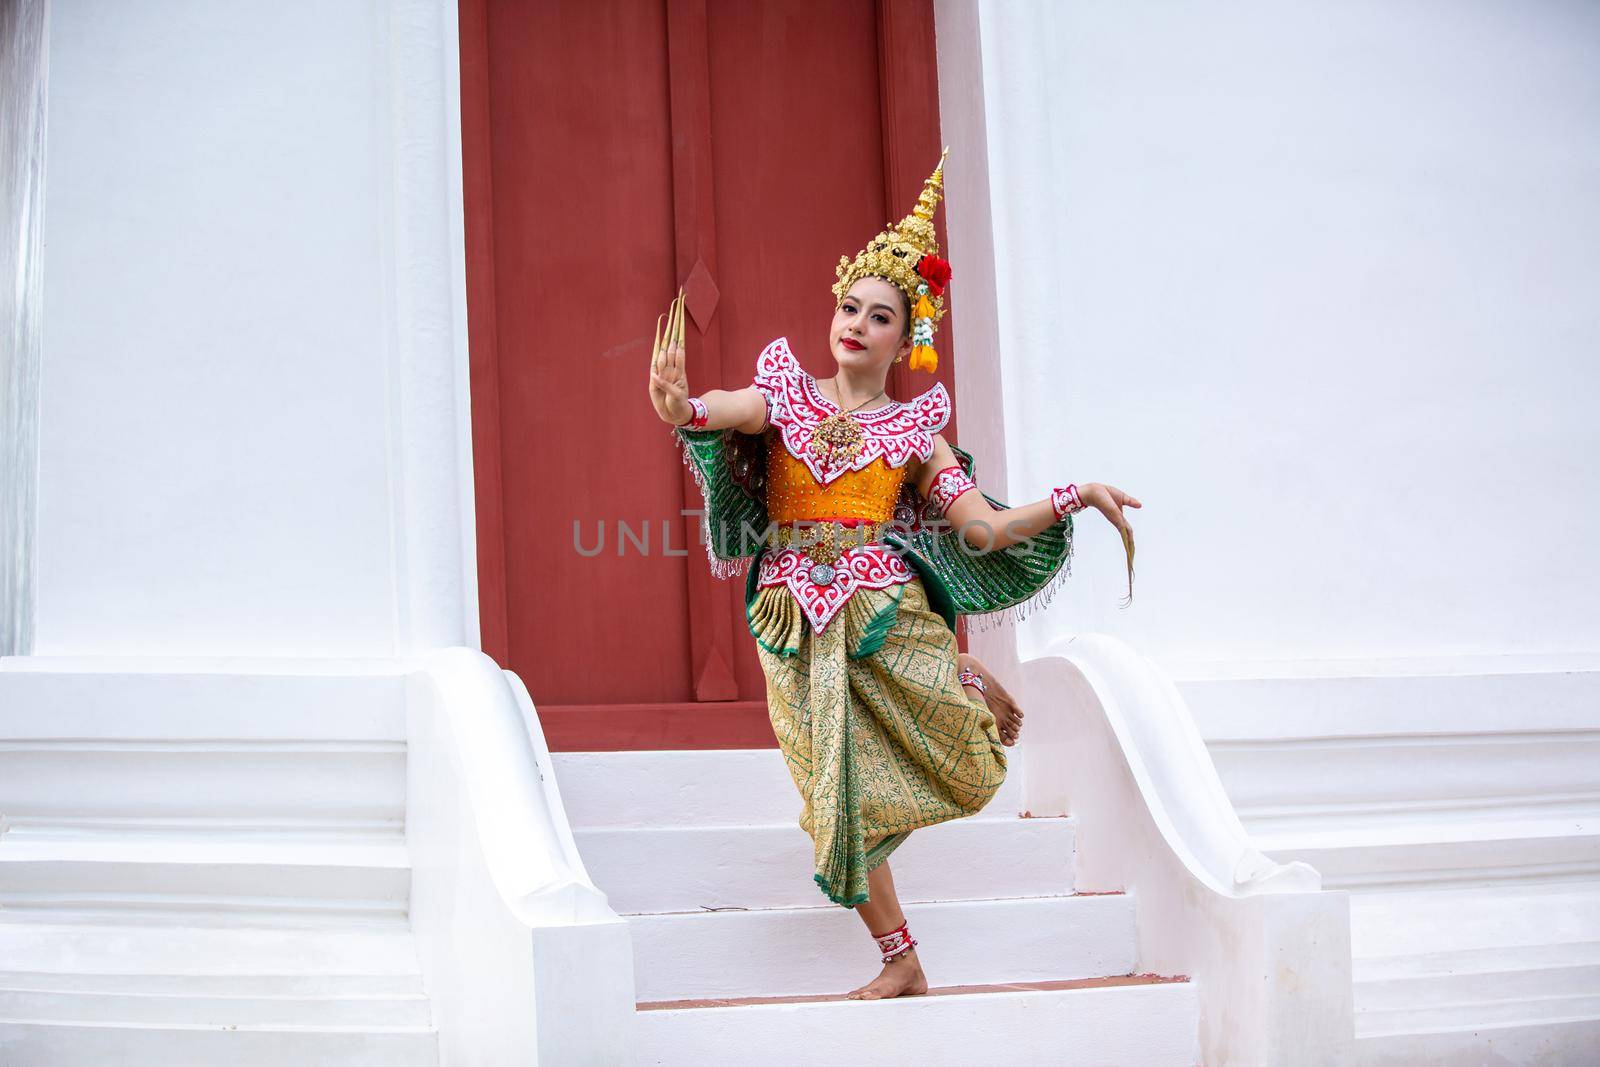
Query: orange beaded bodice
[(891, 435), (842, 471), (795, 495)]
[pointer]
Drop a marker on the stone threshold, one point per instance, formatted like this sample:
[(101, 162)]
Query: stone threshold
[(936, 991)]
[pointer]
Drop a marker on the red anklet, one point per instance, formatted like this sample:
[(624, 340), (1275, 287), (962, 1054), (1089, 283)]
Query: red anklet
[(895, 943)]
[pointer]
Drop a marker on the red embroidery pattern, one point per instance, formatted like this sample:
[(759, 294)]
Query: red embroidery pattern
[(1065, 500), (897, 431), (874, 566), (896, 942), (947, 485)]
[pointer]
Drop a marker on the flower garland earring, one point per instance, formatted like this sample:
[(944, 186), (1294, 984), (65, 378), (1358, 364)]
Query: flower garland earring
[(935, 274)]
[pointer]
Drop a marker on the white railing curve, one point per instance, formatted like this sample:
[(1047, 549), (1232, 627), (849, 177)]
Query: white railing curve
[(1112, 742), (525, 960), (1175, 772)]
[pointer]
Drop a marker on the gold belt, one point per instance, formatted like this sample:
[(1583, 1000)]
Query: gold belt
[(825, 541)]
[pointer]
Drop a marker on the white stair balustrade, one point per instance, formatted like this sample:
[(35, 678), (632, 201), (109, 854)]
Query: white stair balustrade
[(204, 863), (1460, 805), (1111, 740), (527, 961), (293, 861)]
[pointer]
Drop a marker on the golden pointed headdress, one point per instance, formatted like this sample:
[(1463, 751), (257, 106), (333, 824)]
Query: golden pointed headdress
[(907, 255)]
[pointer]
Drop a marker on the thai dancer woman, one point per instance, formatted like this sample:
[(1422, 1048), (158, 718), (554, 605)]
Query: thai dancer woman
[(866, 538)]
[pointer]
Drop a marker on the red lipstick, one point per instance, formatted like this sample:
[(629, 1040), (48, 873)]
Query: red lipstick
[(852, 344)]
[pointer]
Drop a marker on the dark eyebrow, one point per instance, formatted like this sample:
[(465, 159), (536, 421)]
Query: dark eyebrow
[(885, 307)]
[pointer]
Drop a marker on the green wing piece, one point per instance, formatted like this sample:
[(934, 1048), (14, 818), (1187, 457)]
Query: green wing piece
[(982, 583), (728, 468)]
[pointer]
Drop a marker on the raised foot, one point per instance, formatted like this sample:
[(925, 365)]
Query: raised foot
[(1008, 720), (901, 977)]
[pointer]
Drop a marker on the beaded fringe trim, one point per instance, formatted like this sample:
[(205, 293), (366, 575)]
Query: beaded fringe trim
[(720, 568), (993, 620)]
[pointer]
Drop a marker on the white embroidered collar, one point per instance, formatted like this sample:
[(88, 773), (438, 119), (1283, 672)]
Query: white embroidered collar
[(896, 431)]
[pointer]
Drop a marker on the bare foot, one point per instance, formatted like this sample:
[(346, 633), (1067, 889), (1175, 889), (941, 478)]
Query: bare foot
[(1007, 719), (901, 977), (1007, 715)]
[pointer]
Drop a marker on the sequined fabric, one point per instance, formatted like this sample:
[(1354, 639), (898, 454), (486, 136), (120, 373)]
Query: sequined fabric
[(794, 495), (878, 745)]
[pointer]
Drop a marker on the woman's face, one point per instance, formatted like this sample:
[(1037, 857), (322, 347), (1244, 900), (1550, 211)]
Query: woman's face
[(871, 326)]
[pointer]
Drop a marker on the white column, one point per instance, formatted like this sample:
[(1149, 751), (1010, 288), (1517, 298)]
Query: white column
[(23, 35)]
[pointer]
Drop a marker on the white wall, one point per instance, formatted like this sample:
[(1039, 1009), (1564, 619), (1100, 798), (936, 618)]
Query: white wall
[(1320, 283), (254, 404)]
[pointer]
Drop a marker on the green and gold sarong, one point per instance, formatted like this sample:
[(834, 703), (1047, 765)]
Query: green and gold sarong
[(878, 744), (878, 733)]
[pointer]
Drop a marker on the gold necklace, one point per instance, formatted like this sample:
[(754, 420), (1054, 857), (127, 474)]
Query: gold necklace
[(838, 439)]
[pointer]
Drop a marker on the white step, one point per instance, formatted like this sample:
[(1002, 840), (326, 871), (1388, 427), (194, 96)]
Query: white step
[(150, 810), (325, 1009), (133, 750), (101, 872), (798, 951), (379, 959), (1420, 925), (1574, 1042), (1365, 703), (68, 992), (1468, 975), (99, 1044), (660, 869), (248, 786), (1117, 1026), (1470, 1014), (1442, 853), (1352, 782), (710, 788), (46, 697)]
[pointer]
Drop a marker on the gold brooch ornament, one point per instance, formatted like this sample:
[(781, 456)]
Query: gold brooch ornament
[(837, 440)]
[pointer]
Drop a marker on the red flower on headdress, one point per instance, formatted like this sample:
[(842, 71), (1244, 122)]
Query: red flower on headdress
[(934, 271)]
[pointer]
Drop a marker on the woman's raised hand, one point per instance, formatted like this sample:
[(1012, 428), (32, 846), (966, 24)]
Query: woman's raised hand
[(669, 382), (1109, 501)]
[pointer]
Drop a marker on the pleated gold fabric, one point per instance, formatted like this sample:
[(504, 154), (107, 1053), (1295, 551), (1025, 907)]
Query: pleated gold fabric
[(879, 736)]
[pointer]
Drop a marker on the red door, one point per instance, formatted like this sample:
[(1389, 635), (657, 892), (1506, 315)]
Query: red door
[(615, 150)]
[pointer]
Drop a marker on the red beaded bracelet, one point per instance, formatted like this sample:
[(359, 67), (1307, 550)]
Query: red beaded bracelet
[(947, 486), (1065, 501)]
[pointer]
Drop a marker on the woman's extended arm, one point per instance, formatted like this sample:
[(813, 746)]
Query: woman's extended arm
[(985, 527), (742, 409)]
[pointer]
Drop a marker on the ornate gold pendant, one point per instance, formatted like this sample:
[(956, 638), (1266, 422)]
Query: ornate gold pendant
[(837, 440)]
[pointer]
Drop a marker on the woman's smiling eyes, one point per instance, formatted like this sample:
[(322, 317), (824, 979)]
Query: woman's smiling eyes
[(850, 309)]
